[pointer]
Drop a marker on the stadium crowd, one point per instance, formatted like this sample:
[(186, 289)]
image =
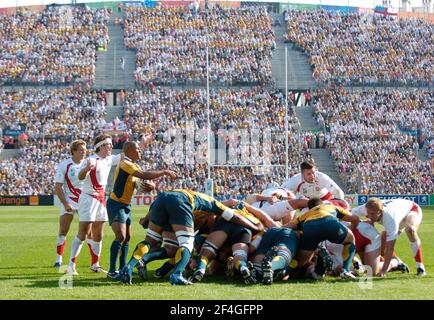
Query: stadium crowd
[(56, 46), (27, 174), (233, 119), (51, 118), (171, 45), (366, 140), (356, 48)]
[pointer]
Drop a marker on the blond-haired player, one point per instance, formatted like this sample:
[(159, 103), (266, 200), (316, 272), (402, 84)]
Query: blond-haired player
[(68, 189), (396, 215)]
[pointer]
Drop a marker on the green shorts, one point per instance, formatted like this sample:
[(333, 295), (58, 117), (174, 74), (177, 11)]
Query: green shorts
[(316, 231), (278, 237), (235, 232), (170, 208), (118, 212)]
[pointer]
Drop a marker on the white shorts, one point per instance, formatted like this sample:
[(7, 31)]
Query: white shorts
[(369, 232), (336, 251), (90, 209), (73, 204), (416, 212), (277, 210)]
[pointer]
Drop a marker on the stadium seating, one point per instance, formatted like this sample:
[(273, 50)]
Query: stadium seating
[(56, 46), (52, 118), (171, 45), (369, 140), (232, 112), (355, 49)]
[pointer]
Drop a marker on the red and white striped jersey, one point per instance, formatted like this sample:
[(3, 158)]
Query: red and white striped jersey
[(67, 174), (96, 179), (323, 187)]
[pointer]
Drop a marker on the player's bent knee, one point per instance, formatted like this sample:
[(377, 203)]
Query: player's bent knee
[(170, 245), (153, 237), (120, 238), (209, 249), (349, 238), (410, 230)]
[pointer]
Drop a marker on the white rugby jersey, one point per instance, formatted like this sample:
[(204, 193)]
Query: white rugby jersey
[(277, 210), (323, 186), (96, 179), (67, 174), (277, 191), (394, 212)]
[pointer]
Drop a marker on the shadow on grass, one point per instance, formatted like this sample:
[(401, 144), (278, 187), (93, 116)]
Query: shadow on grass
[(20, 268), (375, 279), (29, 276), (52, 281), (76, 282)]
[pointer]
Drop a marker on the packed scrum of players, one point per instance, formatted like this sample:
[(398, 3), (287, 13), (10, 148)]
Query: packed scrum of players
[(261, 239)]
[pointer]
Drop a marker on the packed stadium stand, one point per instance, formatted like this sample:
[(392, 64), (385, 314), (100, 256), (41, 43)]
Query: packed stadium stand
[(56, 46), (373, 138), (355, 49), (171, 45)]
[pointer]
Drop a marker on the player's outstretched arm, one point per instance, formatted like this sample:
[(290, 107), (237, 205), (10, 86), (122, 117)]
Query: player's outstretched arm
[(388, 254), (354, 220), (242, 221), (261, 215), (151, 175)]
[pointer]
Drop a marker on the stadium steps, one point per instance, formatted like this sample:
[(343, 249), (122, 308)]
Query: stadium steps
[(299, 70), (325, 164), (422, 154), (109, 73), (9, 153), (305, 116), (114, 111)]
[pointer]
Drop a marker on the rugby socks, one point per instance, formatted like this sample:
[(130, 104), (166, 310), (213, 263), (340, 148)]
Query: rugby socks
[(114, 253), (158, 254), (182, 257), (166, 267), (123, 255), (240, 263), (202, 262), (96, 248), (61, 242), (94, 257), (348, 254), (278, 262), (141, 249), (75, 251), (417, 253)]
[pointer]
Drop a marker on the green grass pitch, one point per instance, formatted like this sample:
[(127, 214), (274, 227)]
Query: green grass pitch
[(27, 252)]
